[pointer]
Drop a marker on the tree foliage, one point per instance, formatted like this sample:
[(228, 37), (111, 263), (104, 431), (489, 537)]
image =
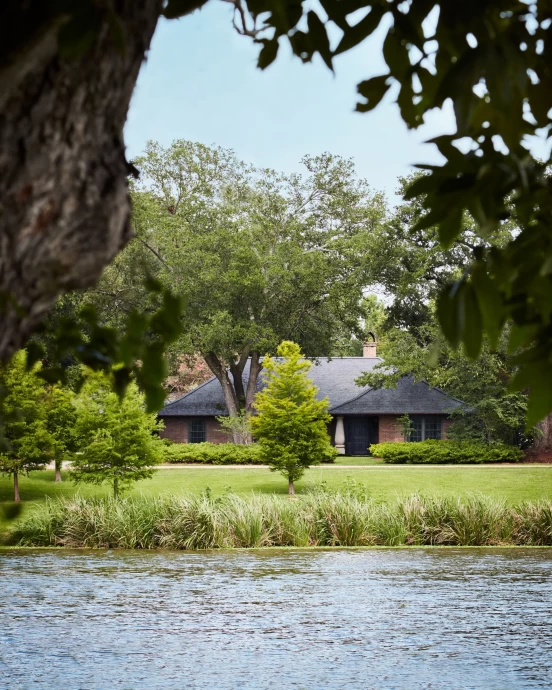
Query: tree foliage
[(61, 417), (116, 436), (491, 59), (260, 256), (23, 407), (290, 426)]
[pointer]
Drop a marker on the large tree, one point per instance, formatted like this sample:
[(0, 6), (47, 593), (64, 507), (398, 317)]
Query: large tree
[(68, 71), (259, 256)]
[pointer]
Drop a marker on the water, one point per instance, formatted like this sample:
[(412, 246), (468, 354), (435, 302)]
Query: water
[(378, 619)]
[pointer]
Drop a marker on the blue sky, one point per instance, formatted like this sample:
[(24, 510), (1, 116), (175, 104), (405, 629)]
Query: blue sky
[(200, 82)]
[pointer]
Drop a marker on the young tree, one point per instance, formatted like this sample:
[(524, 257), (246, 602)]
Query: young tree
[(117, 436), (291, 424), (23, 411), (61, 417)]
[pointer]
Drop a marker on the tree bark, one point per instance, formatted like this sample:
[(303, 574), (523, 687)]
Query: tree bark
[(16, 496), (63, 172), (291, 487), (58, 469), (544, 442), (116, 487), (255, 368), (233, 388)]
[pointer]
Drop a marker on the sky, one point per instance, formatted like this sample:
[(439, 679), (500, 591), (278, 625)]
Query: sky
[(201, 83)]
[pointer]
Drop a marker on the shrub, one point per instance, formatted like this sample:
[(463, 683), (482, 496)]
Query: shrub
[(321, 519), (213, 454), (219, 454), (444, 452)]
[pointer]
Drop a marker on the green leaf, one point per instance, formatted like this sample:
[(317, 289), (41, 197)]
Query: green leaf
[(353, 35), (319, 38), (179, 8), (449, 227), (490, 302), (396, 55), (373, 90), (35, 353), (520, 336), (268, 53), (450, 315), (472, 335)]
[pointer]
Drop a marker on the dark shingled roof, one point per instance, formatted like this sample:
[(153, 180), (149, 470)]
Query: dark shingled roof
[(335, 380)]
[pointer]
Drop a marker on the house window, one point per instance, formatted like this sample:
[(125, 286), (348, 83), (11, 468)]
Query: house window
[(424, 428), (196, 430)]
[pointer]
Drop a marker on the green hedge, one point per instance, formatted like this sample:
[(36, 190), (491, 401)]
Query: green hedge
[(444, 452), (220, 454), (213, 453)]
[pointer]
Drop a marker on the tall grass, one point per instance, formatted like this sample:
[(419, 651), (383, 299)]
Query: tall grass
[(319, 519)]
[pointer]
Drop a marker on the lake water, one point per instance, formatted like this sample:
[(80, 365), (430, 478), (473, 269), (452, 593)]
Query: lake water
[(376, 619)]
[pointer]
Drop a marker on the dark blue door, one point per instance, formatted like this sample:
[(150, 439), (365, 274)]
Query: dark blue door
[(360, 433)]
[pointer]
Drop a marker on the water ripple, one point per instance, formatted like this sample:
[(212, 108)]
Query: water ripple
[(408, 619)]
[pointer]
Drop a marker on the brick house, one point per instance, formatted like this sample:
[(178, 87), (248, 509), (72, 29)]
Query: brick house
[(361, 415)]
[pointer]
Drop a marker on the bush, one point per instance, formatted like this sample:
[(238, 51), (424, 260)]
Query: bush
[(321, 519), (444, 452), (213, 454), (219, 454)]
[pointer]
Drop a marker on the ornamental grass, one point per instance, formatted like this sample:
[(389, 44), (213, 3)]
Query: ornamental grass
[(318, 519)]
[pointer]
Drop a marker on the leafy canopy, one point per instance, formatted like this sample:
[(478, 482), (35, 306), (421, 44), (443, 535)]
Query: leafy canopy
[(23, 412), (116, 435), (291, 424), (491, 59)]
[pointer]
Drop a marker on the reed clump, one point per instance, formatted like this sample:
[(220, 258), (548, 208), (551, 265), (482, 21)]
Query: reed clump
[(318, 519)]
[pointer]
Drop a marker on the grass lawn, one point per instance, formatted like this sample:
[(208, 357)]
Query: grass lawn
[(358, 460), (514, 483)]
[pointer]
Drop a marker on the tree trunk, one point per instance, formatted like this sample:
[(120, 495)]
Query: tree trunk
[(63, 172), (16, 496), (255, 368), (291, 487), (233, 388), (58, 469), (116, 487), (544, 442)]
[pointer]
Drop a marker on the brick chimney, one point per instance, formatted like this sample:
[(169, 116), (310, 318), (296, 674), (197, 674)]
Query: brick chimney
[(369, 346)]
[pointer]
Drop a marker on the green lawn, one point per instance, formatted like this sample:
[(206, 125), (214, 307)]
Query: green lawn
[(514, 483), (360, 460)]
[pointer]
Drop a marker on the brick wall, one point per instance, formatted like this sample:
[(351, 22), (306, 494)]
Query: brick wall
[(176, 429), (389, 430), (445, 426)]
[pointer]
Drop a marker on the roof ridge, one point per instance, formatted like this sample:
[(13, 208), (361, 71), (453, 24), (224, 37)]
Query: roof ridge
[(190, 392), (440, 390)]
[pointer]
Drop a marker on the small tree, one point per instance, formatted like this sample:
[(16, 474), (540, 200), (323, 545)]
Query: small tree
[(238, 428), (23, 412), (61, 417), (117, 436), (404, 424), (291, 423)]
